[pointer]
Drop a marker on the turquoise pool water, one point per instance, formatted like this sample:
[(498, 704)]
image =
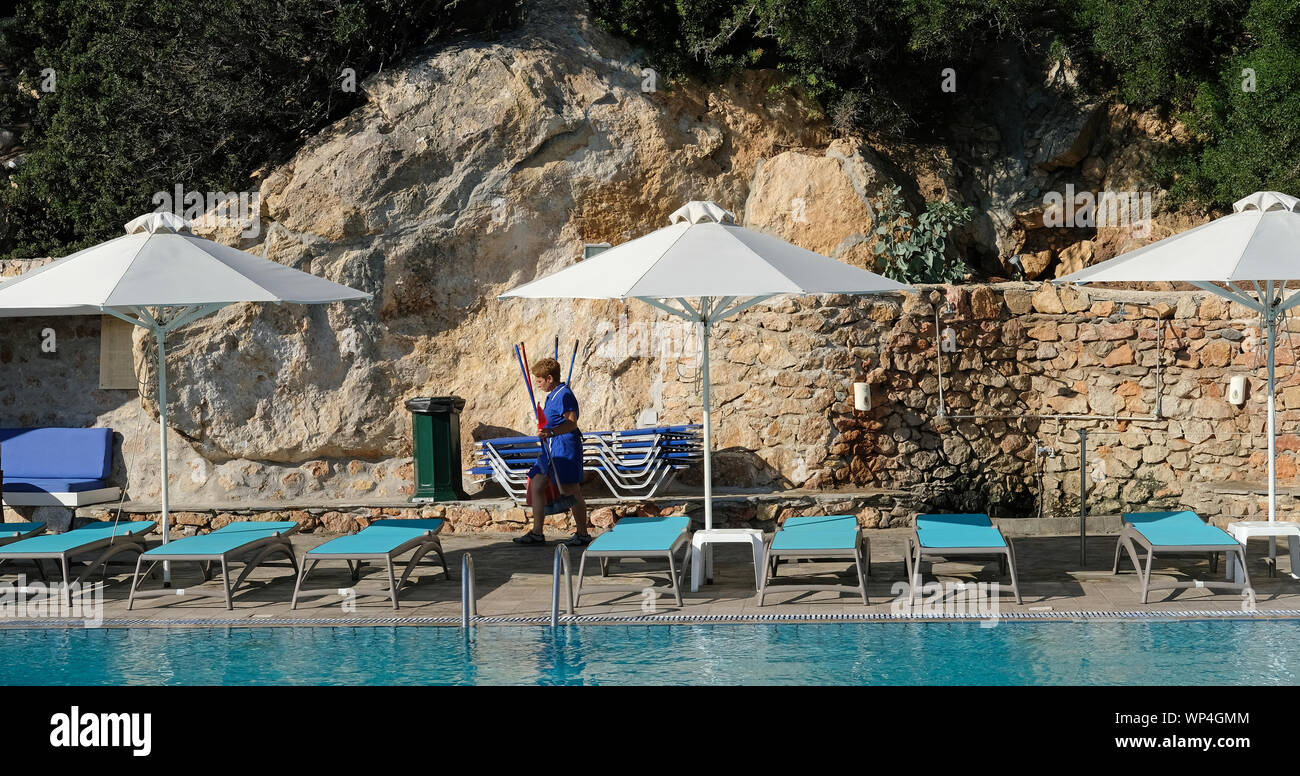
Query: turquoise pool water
[(1209, 652)]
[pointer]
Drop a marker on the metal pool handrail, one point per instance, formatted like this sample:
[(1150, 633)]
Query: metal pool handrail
[(468, 599), (561, 564)]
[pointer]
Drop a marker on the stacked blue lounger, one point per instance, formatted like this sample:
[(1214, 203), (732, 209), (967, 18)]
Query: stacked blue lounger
[(633, 464)]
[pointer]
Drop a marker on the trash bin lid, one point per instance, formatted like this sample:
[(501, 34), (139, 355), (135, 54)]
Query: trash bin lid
[(435, 405)]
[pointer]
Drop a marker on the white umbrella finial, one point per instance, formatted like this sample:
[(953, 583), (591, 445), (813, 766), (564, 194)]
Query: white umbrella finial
[(153, 223), (1264, 201), (702, 212)]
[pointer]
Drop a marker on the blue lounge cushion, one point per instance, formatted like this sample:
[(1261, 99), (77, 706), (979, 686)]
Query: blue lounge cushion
[(56, 453), (641, 534), (380, 537), (36, 485), (1177, 529), (225, 539), (77, 537), (958, 532), (817, 532)]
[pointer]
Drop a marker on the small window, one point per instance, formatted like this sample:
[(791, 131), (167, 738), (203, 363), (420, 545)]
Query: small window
[(116, 363)]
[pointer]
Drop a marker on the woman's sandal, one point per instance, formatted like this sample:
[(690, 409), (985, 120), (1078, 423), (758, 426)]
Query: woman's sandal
[(531, 538)]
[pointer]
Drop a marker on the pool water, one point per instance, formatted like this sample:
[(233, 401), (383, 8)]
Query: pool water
[(1178, 653)]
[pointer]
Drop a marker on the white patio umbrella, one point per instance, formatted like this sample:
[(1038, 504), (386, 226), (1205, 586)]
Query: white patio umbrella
[(160, 264), (1258, 244), (727, 268)]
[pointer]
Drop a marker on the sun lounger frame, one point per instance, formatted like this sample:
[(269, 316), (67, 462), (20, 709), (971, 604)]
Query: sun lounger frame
[(108, 547), (422, 545), (1130, 536), (514, 479), (19, 536), (252, 554), (606, 556), (1005, 556), (860, 555)]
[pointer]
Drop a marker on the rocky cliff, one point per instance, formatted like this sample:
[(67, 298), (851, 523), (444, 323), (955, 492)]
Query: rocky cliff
[(478, 166)]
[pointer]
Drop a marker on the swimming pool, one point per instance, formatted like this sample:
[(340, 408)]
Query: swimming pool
[(1196, 652)]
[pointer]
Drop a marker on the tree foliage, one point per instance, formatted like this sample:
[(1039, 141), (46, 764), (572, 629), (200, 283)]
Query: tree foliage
[(149, 94), (874, 66)]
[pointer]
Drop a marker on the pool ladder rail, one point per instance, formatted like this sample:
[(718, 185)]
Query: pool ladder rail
[(468, 597), (560, 568), (563, 570)]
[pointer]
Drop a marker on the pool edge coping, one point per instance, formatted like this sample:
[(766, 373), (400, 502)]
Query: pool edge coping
[(662, 619)]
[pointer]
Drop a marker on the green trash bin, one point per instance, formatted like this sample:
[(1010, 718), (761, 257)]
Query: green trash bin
[(435, 427)]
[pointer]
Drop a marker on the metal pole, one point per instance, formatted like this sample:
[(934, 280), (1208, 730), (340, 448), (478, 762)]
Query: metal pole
[(708, 426), (468, 602), (1083, 497), (938, 358), (1271, 317), (161, 335)]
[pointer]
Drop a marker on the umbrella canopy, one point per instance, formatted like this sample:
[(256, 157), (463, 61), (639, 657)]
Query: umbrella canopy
[(160, 276), (159, 262), (703, 254), (1254, 249)]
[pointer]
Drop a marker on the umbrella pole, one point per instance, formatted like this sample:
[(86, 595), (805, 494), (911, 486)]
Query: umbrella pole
[(708, 426), (161, 336), (1272, 436)]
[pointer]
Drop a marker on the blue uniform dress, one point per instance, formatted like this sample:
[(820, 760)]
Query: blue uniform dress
[(566, 449)]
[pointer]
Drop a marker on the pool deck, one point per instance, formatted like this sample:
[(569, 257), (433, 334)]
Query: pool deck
[(514, 585)]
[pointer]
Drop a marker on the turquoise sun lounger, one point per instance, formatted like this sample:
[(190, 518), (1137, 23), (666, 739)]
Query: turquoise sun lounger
[(818, 537), (1177, 533), (383, 540), (16, 532), (638, 537), (107, 539), (969, 535), (248, 542)]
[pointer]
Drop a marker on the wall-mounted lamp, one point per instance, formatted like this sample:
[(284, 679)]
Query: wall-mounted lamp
[(1237, 390), (862, 397), (1020, 268)]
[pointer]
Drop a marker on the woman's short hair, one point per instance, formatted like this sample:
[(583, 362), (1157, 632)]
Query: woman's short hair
[(544, 367)]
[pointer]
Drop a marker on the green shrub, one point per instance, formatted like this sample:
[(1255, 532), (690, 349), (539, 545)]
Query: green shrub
[(154, 93), (915, 251)]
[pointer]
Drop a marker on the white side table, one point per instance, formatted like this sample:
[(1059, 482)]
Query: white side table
[(1249, 529), (702, 552)]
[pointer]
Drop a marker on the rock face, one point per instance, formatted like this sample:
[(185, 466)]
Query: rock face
[(467, 172), (475, 168)]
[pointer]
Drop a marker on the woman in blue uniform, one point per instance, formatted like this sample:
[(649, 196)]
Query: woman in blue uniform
[(564, 463)]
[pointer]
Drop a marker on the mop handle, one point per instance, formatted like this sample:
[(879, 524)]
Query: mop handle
[(537, 410), (532, 403), (522, 352), (574, 357)]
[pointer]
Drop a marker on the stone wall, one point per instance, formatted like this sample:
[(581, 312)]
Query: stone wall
[(1033, 363), (489, 515), (1145, 373)]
